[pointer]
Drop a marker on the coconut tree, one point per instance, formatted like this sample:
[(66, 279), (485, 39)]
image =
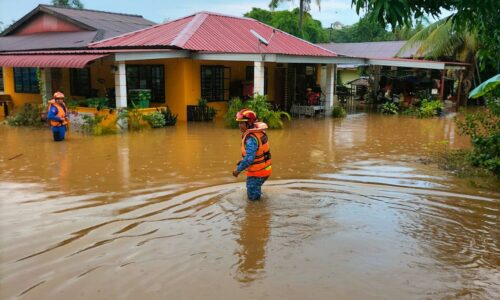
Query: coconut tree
[(441, 39), (304, 5)]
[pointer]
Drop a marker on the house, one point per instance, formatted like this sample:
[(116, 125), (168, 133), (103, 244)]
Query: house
[(391, 61), (205, 55), (50, 28)]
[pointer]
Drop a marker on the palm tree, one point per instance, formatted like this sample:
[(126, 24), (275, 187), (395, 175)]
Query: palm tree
[(304, 5), (441, 40)]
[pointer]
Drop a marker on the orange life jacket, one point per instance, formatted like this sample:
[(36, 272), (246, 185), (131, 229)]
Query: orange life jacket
[(261, 165), (61, 113)]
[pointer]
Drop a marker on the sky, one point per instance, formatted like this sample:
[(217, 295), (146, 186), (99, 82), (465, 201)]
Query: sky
[(158, 11)]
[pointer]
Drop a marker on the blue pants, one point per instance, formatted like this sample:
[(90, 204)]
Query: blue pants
[(59, 132), (254, 185)]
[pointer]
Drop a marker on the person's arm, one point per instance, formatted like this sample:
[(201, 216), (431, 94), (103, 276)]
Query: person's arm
[(251, 146), (53, 114)]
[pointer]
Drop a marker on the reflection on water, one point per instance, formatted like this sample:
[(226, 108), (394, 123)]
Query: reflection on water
[(347, 214), (254, 234)]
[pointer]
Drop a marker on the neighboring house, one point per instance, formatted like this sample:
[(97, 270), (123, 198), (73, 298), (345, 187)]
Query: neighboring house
[(55, 28), (205, 55)]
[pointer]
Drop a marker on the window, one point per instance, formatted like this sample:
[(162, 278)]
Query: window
[(25, 80), (79, 80), (1, 80), (215, 83), (150, 77)]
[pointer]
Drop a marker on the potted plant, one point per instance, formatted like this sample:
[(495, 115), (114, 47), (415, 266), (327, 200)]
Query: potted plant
[(139, 98)]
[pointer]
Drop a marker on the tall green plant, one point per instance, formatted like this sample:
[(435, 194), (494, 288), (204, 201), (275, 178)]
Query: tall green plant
[(28, 116), (261, 107)]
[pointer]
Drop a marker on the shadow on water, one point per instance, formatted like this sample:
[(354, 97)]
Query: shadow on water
[(348, 212)]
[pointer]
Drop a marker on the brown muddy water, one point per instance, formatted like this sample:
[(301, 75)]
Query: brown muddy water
[(349, 213)]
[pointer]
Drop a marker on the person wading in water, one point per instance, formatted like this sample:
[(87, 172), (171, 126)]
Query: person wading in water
[(58, 116), (255, 152)]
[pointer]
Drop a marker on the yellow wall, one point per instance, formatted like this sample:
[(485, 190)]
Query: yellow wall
[(18, 99), (182, 82)]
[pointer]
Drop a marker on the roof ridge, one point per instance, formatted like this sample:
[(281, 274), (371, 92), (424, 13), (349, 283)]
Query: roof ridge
[(138, 31), (92, 10), (185, 34)]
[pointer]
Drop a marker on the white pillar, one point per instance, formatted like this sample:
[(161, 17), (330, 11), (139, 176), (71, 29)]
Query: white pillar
[(120, 85), (46, 84), (330, 86), (258, 78)]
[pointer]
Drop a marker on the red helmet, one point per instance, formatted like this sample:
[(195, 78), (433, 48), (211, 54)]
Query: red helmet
[(58, 95), (246, 115)]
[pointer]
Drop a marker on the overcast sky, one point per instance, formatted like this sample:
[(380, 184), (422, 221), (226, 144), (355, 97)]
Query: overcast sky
[(158, 10)]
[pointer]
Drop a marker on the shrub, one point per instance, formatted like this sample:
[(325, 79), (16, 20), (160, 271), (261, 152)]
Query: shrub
[(28, 116), (389, 108), (338, 112), (170, 118), (204, 112), (430, 108), (93, 124), (135, 119), (261, 107), (483, 127), (155, 119)]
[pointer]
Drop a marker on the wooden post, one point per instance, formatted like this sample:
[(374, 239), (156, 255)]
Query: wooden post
[(459, 88)]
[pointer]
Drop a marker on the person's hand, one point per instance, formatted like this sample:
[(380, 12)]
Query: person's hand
[(236, 173)]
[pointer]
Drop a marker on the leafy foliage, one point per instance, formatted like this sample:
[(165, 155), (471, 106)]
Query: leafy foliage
[(135, 119), (93, 124), (155, 119), (483, 127), (28, 116), (287, 21), (68, 3), (480, 16), (338, 112), (170, 118), (430, 108), (261, 107), (304, 6), (389, 108)]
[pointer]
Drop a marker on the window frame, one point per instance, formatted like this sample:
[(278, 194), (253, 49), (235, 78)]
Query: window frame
[(221, 80), (27, 86), (2, 85), (76, 84), (147, 73)]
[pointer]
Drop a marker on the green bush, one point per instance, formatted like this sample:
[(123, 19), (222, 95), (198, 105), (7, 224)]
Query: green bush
[(338, 112), (430, 108), (28, 116), (139, 98), (483, 127), (204, 112), (135, 119), (93, 124), (155, 119), (170, 118), (389, 108), (261, 107)]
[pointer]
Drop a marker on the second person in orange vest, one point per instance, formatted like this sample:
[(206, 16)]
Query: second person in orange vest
[(58, 116), (255, 152)]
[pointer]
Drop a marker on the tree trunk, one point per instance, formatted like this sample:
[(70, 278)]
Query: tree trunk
[(301, 17)]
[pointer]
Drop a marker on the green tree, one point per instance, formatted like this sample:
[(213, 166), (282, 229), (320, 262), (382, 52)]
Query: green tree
[(304, 6), (68, 3), (480, 16), (287, 21)]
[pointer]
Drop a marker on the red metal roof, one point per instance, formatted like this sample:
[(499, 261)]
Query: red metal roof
[(212, 32), (49, 61)]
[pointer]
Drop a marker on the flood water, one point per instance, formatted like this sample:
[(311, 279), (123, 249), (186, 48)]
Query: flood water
[(349, 213)]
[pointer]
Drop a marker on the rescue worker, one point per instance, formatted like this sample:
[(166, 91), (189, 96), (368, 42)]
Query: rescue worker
[(58, 116), (255, 152)]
